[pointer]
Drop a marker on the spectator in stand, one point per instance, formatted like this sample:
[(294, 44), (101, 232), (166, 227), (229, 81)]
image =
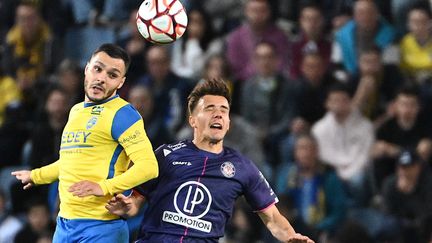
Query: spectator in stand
[(190, 52), (313, 83), (136, 46), (317, 192), (9, 224), (29, 44), (225, 14), (376, 84), (311, 92), (47, 134), (405, 129), (100, 12), (416, 45), (365, 30), (13, 134), (345, 139), (142, 99), (38, 223), (9, 93), (407, 195), (69, 78), (267, 101), (415, 49), (169, 90), (311, 39), (258, 27)]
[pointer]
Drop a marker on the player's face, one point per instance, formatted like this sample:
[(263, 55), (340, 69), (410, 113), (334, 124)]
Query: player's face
[(210, 119), (103, 76)]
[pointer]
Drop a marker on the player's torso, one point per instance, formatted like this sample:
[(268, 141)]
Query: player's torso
[(199, 190), (89, 152)]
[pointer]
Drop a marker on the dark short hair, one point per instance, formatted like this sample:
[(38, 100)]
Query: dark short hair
[(409, 90), (420, 6), (340, 87), (208, 87), (114, 51)]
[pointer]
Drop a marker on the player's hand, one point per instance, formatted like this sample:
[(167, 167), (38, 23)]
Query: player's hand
[(86, 188), (298, 238), (120, 205), (25, 177)]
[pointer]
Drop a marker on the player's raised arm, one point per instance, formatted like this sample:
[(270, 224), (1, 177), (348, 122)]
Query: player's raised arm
[(279, 226)]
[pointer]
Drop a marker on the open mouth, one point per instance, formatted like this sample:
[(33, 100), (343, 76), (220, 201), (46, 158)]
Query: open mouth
[(97, 88), (216, 126)]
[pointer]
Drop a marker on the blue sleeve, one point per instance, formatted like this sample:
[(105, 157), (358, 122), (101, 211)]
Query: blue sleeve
[(257, 190), (124, 118)]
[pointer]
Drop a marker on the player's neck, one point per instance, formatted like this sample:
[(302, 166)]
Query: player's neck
[(209, 146)]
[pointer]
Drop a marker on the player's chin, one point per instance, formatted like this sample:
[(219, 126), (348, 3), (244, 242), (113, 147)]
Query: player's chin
[(97, 98), (216, 138)]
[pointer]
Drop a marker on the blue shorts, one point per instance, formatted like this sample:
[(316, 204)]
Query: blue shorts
[(91, 231), (167, 238)]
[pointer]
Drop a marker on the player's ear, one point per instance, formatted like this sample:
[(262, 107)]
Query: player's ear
[(121, 83), (228, 123), (86, 68), (192, 121)]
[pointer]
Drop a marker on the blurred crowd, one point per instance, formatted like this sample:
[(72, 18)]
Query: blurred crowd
[(332, 100)]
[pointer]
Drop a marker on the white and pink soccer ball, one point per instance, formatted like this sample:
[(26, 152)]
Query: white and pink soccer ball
[(161, 21)]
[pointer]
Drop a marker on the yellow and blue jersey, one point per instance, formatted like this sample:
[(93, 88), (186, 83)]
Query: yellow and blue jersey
[(98, 142)]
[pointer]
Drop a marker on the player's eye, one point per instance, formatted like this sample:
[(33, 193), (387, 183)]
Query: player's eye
[(97, 68), (113, 75)]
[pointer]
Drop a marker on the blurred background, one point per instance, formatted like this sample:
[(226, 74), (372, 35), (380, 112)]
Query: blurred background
[(331, 100)]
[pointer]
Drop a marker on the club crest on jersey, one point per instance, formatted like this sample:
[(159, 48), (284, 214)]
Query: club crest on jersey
[(228, 169), (91, 122), (96, 110)]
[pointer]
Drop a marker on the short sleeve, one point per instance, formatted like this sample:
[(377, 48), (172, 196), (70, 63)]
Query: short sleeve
[(258, 191)]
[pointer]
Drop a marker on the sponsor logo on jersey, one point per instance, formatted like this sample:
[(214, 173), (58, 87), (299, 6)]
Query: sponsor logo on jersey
[(181, 163), (228, 169), (132, 138), (75, 139), (192, 201), (91, 122), (166, 152), (176, 146), (96, 110)]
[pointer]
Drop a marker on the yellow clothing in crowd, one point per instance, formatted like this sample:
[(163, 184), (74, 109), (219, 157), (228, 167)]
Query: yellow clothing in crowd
[(416, 60), (9, 92)]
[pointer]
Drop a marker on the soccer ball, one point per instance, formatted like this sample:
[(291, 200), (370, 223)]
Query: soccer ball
[(161, 21)]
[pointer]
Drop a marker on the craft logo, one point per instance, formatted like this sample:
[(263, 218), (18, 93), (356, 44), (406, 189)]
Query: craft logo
[(192, 201)]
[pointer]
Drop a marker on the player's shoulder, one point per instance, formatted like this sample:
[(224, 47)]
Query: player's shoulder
[(176, 147), (236, 157), (77, 107), (232, 152)]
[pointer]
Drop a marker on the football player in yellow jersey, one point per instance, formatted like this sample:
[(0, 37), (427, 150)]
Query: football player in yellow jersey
[(103, 134)]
